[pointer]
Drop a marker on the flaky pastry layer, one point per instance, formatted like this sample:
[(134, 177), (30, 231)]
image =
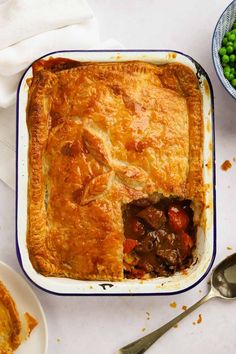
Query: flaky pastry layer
[(100, 136), (10, 325), (13, 330)]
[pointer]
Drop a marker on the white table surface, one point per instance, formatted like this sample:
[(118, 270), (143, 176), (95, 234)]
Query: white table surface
[(100, 325)]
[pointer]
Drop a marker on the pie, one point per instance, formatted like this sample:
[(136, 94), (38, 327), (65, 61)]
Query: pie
[(13, 330), (115, 162)]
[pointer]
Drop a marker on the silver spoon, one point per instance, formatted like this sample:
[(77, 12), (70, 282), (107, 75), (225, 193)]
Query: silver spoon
[(223, 285)]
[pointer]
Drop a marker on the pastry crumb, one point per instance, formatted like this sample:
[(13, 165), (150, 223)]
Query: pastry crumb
[(58, 340), (194, 323), (234, 159), (226, 165), (229, 248), (200, 291), (199, 320), (184, 307), (143, 329), (148, 315), (31, 322), (176, 326), (173, 305)]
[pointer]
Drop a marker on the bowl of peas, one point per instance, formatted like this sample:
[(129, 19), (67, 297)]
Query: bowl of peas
[(224, 49)]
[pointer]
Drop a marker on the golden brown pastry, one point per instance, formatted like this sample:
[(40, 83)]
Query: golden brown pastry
[(10, 325), (12, 329), (102, 135), (31, 323)]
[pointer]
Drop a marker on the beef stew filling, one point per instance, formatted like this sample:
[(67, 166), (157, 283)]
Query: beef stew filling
[(159, 238)]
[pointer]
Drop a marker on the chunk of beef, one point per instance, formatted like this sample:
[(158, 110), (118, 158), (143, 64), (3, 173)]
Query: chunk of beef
[(142, 203), (174, 249), (149, 242), (137, 227), (154, 217), (170, 256), (145, 265)]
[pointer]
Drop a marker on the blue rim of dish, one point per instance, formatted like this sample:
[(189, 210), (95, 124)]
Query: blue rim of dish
[(199, 70), (212, 44)]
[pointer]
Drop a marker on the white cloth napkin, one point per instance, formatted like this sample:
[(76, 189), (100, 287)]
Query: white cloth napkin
[(30, 29)]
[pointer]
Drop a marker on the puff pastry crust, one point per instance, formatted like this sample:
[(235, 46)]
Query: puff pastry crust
[(10, 325), (13, 329), (100, 136)]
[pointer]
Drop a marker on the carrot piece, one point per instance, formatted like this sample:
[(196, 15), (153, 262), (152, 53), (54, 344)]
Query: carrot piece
[(129, 245), (178, 218), (187, 240)]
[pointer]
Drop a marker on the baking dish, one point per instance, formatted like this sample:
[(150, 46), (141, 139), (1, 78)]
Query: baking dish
[(206, 239)]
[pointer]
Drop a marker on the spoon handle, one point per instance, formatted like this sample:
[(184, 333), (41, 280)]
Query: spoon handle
[(142, 344)]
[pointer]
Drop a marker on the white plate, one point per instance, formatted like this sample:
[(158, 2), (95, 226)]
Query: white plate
[(26, 301), (206, 239)]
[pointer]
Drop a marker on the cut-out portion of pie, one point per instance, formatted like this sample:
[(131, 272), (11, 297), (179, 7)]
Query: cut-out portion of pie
[(13, 329), (103, 136), (159, 237)]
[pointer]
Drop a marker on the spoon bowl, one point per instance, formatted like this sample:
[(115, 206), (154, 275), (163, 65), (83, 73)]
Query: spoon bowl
[(223, 278)]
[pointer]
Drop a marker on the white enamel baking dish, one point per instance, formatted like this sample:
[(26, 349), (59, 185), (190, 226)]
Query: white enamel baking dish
[(206, 239)]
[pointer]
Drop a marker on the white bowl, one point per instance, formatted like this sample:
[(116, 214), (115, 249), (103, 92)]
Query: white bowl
[(223, 25), (206, 239)]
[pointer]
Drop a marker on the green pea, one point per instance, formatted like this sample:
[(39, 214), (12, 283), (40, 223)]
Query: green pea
[(222, 51), (230, 43), (227, 69), (234, 31), (232, 37), (232, 58), (227, 34), (231, 77), (233, 82), (234, 45), (229, 49), (225, 41), (227, 75), (232, 71), (225, 58)]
